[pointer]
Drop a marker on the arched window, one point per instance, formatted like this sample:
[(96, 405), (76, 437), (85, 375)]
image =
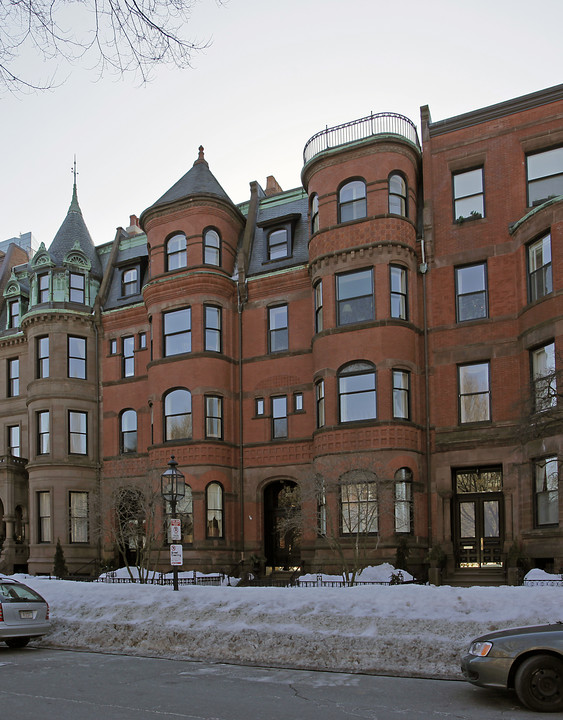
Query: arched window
[(352, 201), (176, 252), (214, 510), (403, 501), (128, 432), (129, 282), (178, 415), (211, 247), (314, 213), (357, 392), (397, 194)]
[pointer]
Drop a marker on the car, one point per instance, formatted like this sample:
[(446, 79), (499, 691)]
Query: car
[(24, 614), (526, 659)]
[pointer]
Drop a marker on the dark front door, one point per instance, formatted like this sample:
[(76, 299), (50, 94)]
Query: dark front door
[(478, 518), (282, 534)]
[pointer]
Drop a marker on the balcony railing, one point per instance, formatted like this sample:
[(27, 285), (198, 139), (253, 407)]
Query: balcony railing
[(370, 126)]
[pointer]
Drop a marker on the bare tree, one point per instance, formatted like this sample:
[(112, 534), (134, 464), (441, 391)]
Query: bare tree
[(119, 36), (131, 520)]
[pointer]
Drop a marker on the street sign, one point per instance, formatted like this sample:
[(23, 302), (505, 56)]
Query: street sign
[(175, 529), (176, 555)]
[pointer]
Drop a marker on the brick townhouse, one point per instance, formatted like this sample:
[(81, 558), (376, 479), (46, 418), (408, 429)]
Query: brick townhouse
[(368, 361)]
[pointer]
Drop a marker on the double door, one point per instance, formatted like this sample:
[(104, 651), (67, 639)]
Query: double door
[(479, 529)]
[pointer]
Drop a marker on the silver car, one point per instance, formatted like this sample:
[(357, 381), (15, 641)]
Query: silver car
[(527, 659), (24, 614)]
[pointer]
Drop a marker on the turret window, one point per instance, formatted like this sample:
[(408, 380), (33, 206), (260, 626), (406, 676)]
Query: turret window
[(357, 393), (354, 292), (352, 201), (314, 213), (77, 432), (212, 248), (77, 288), (177, 332), (43, 288), (14, 314), (76, 357), (178, 415), (176, 252), (397, 195)]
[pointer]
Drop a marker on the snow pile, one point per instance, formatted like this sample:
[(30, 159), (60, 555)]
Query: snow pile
[(398, 629)]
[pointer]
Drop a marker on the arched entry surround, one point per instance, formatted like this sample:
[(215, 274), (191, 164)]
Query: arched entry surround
[(282, 532)]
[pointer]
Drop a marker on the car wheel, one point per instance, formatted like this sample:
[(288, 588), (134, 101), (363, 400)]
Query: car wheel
[(539, 683), (18, 642)]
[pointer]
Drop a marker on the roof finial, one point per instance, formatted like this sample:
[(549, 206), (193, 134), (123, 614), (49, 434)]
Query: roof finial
[(201, 157), (74, 206)]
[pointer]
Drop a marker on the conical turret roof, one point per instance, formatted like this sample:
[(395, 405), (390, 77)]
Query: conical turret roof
[(199, 180), (73, 231)]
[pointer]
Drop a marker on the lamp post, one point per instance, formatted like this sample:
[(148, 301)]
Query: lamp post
[(172, 489)]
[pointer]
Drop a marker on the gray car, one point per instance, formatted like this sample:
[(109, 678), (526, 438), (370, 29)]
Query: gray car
[(24, 614), (527, 659)]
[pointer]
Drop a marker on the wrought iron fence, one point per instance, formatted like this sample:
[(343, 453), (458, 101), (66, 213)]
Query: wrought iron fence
[(350, 132)]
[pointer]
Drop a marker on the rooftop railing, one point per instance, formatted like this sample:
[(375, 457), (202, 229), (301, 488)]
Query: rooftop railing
[(350, 132)]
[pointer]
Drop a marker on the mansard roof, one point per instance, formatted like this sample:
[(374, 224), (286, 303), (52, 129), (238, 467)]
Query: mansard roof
[(199, 180), (73, 233)]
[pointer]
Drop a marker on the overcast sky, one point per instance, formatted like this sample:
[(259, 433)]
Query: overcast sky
[(276, 72)]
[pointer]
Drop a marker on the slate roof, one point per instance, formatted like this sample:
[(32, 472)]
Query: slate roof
[(72, 230), (199, 180)]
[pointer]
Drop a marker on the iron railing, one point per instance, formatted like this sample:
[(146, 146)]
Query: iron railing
[(350, 132)]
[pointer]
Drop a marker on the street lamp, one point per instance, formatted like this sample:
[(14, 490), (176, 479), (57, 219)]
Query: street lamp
[(172, 489)]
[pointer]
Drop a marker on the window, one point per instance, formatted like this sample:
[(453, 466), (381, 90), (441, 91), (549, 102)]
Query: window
[(214, 502), (298, 402), (176, 252), (76, 357), (398, 283), (543, 377), (357, 393), (77, 288), (352, 201), (539, 268), (129, 282), (469, 198), (77, 432), (545, 175), (128, 432), (128, 358), (13, 377), (320, 398), (212, 317), (44, 517), (43, 288), (279, 417), (259, 406), (397, 195), (14, 440), (278, 332), (177, 332), (14, 314), (321, 507), (319, 306), (401, 388), (43, 433), (474, 393), (547, 491), (212, 248), (142, 340), (403, 501), (354, 297), (43, 357), (471, 292), (358, 508), (113, 347), (78, 516), (178, 415), (278, 244), (314, 213), (214, 417)]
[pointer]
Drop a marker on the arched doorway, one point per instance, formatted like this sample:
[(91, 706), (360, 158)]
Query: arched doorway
[(282, 531)]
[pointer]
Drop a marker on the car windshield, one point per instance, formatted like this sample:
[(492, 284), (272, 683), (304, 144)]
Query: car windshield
[(12, 592)]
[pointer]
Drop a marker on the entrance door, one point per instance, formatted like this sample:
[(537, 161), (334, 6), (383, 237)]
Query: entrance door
[(478, 521), (282, 535)]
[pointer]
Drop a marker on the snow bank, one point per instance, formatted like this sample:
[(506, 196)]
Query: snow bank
[(404, 630)]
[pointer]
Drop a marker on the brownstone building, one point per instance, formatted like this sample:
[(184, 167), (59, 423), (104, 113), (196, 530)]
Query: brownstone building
[(367, 363)]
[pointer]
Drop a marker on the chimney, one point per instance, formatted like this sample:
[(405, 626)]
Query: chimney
[(133, 228), (272, 186)]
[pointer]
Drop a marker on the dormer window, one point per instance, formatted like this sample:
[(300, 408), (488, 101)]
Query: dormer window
[(77, 288), (129, 282), (43, 288), (278, 245), (14, 314)]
